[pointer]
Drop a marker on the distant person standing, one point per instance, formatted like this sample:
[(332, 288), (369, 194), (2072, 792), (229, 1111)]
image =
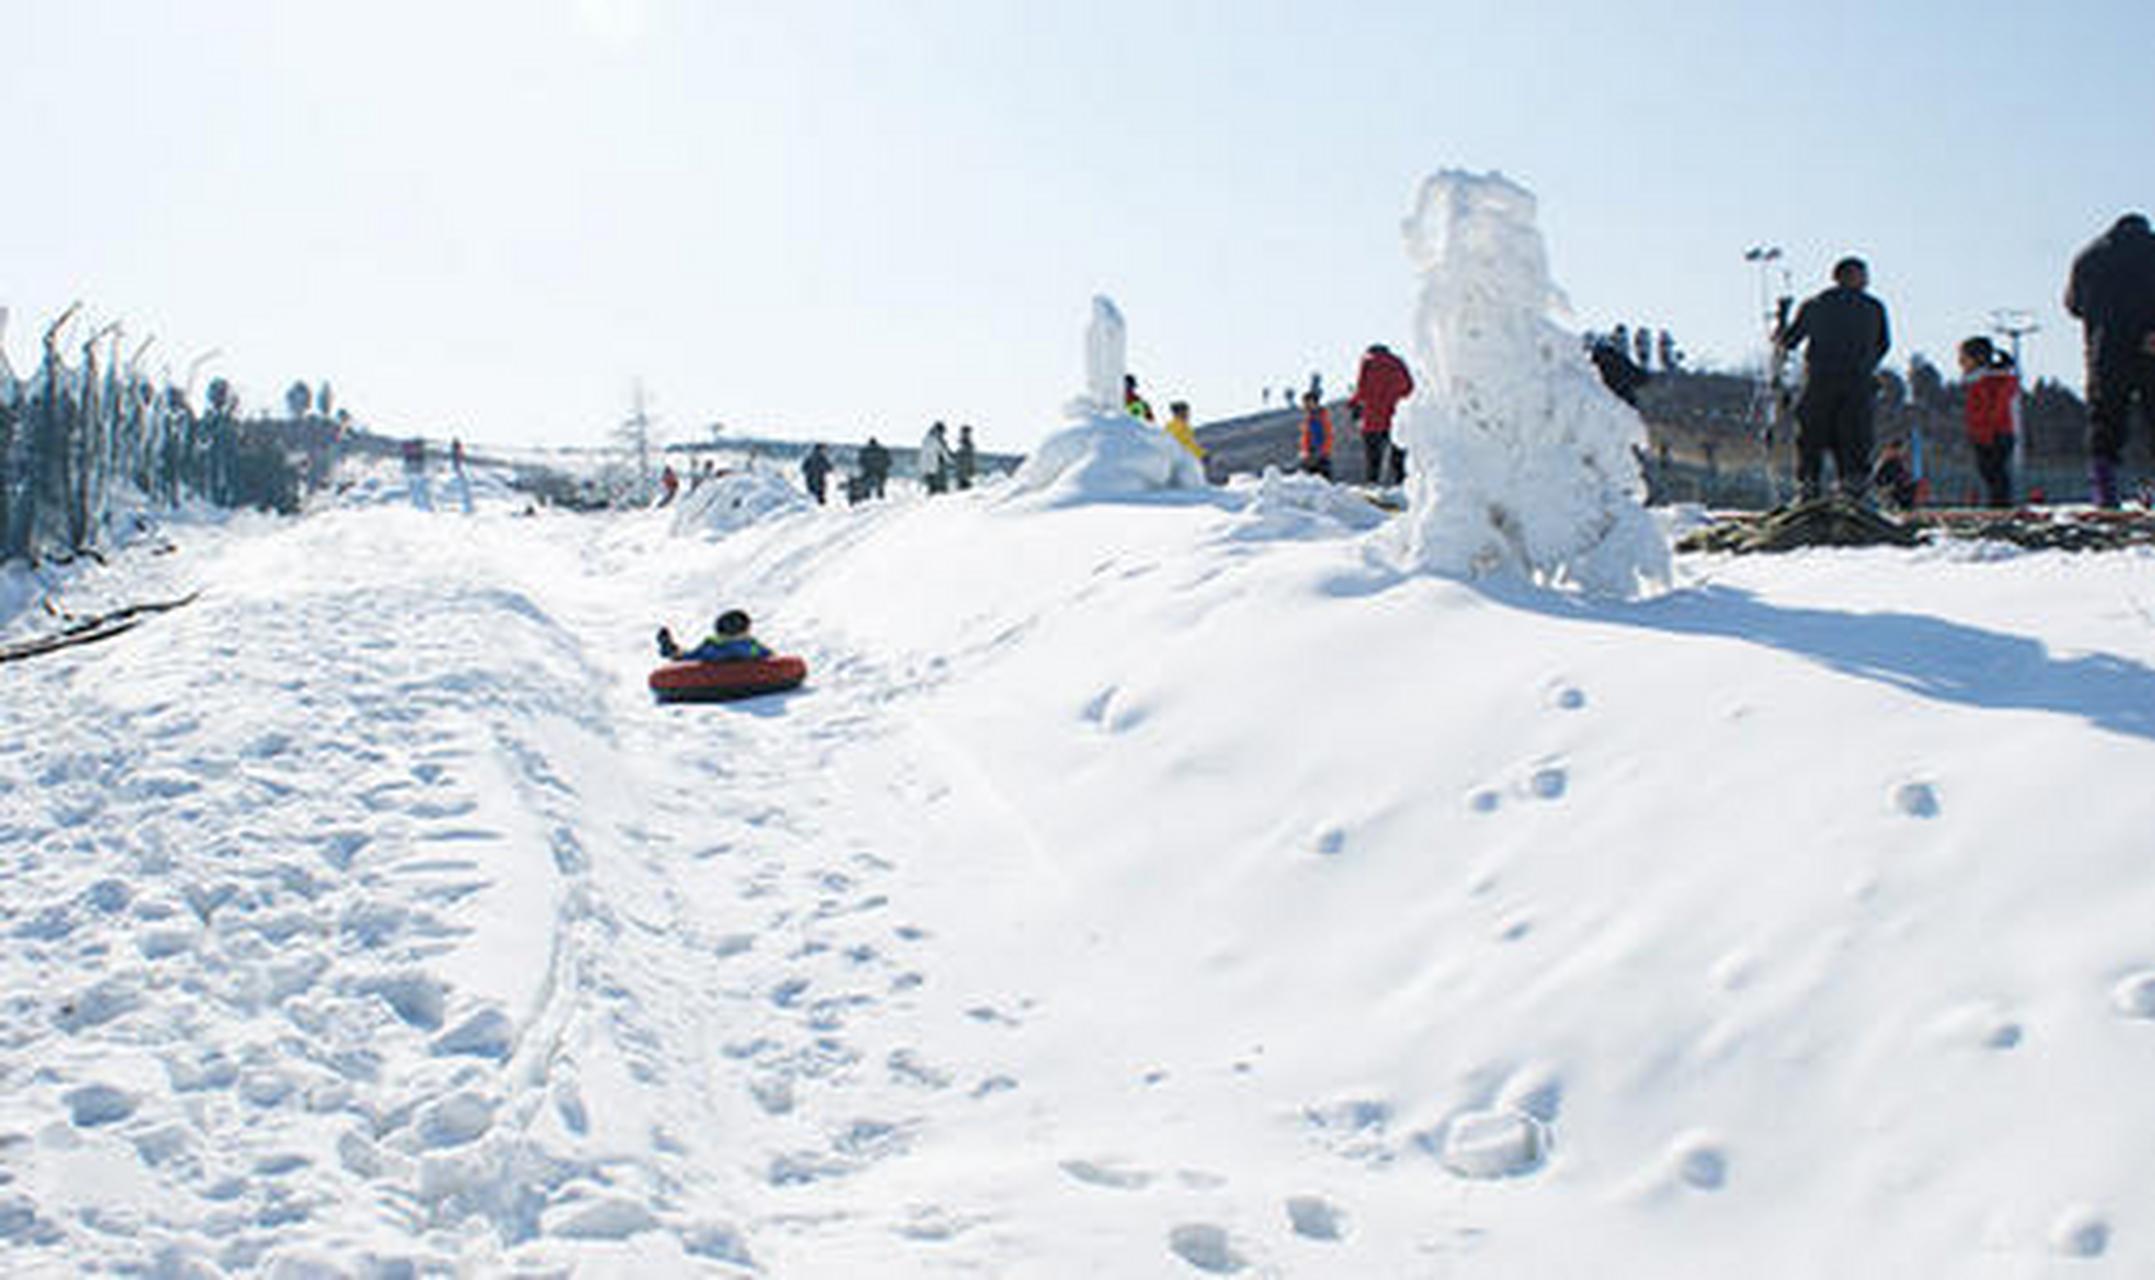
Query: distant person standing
[(967, 459), (1316, 436), (1178, 426), (1134, 404), (935, 460), (875, 468), (1378, 388), (1619, 373), (816, 471), (2112, 293), (458, 479), (415, 474), (1844, 335), (1992, 410)]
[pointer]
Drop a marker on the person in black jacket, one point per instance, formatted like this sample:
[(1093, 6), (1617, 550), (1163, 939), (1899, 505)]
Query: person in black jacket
[(1618, 373), (875, 467), (816, 470), (1844, 335), (2112, 292)]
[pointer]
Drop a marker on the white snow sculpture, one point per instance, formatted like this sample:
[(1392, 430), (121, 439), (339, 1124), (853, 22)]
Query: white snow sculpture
[(1105, 361), (1523, 460), (1105, 453)]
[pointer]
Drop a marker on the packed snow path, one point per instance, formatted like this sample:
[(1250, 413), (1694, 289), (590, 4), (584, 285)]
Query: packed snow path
[(365, 917), (366, 897)]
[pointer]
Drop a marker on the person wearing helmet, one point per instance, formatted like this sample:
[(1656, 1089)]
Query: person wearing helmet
[(729, 641)]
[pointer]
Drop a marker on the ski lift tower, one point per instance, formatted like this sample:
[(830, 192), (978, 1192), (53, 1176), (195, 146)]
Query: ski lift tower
[(1769, 398), (2012, 324)]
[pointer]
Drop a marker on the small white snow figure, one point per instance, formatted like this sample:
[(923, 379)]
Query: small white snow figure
[(1524, 461), (1105, 361)]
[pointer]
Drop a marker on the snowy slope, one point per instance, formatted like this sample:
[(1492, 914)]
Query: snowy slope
[(1139, 887)]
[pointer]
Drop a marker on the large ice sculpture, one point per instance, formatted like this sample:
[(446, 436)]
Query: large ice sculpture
[(1523, 460)]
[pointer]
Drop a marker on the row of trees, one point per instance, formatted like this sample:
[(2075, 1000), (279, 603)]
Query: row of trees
[(86, 444)]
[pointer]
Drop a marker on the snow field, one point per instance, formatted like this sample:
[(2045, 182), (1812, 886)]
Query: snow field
[(1142, 885)]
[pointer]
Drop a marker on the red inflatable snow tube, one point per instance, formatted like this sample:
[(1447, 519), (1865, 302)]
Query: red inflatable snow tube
[(725, 681)]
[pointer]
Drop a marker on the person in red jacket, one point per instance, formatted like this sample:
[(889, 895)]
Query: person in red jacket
[(1378, 389), (1993, 414), (1316, 436)]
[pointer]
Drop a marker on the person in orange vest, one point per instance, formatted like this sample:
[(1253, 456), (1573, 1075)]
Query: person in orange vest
[(1316, 436)]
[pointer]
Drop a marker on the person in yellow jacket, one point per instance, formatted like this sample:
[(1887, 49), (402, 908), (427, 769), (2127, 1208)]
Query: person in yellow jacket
[(1178, 426)]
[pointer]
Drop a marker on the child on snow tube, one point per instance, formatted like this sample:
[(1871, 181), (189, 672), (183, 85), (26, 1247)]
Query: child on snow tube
[(729, 641)]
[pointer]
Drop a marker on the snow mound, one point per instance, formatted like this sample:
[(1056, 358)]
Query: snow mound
[(1294, 505), (1103, 458), (1529, 468), (725, 503)]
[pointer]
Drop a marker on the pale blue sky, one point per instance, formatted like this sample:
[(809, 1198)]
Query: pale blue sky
[(823, 219)]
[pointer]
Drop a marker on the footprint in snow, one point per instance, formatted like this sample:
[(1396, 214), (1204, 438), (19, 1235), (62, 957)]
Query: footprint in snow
[(1977, 1024), (1095, 708), (2134, 995), (1315, 1218), (1549, 782), (1698, 1160), (2081, 1231), (1916, 799), (1206, 1247), (1111, 1174)]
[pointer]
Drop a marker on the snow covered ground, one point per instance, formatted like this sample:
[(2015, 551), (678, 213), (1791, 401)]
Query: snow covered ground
[(1147, 886)]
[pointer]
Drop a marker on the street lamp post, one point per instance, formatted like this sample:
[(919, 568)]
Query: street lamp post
[(1768, 401)]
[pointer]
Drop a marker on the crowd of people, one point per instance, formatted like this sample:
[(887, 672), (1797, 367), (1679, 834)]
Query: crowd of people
[(1382, 383), (943, 466), (1843, 333)]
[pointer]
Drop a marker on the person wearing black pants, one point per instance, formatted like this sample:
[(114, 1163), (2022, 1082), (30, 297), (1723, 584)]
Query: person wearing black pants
[(2112, 292), (1990, 404), (1993, 462), (1844, 335)]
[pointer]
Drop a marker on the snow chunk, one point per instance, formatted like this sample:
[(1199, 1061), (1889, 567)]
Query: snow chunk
[(96, 1104), (1523, 460), (1294, 505), (1495, 1144), (612, 1218), (457, 1119), (723, 504), (485, 1034)]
